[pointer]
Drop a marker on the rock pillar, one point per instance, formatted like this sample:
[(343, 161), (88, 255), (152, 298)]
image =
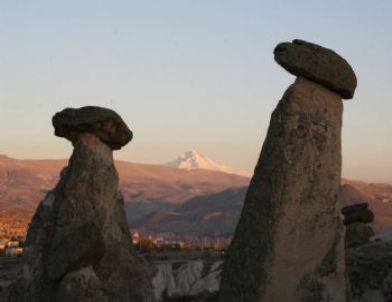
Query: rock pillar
[(288, 245), (78, 246)]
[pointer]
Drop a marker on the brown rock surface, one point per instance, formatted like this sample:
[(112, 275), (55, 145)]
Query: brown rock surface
[(357, 233), (288, 245), (356, 217), (104, 123), (78, 246), (319, 64)]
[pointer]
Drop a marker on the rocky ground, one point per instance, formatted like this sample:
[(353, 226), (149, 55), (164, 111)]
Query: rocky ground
[(178, 279), (9, 271), (183, 278), (194, 276)]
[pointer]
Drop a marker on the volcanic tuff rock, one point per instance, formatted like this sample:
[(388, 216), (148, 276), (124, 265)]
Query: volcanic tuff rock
[(78, 246), (288, 245), (369, 271), (357, 233), (186, 279), (104, 123), (356, 217), (319, 64)]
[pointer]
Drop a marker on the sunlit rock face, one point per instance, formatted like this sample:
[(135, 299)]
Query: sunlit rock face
[(288, 245), (78, 246)]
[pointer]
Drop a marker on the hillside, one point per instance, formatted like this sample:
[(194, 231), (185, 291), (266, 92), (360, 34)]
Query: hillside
[(141, 182), (213, 214), (23, 183), (217, 214), (160, 198)]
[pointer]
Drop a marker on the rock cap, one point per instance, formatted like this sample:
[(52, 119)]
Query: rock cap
[(319, 64), (359, 212), (104, 123)]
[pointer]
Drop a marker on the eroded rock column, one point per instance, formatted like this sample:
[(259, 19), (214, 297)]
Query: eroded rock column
[(356, 219), (78, 245), (288, 245)]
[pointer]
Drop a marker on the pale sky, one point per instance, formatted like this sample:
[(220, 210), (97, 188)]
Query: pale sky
[(187, 74)]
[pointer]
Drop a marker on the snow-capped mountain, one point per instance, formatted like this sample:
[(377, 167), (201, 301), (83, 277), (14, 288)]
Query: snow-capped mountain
[(192, 160)]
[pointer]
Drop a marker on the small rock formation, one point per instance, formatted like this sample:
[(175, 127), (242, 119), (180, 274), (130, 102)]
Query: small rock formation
[(369, 270), (356, 218), (78, 246), (288, 245)]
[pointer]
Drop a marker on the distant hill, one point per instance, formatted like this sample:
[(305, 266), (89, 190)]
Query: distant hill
[(213, 214), (23, 183), (161, 198), (350, 195), (141, 182), (217, 214)]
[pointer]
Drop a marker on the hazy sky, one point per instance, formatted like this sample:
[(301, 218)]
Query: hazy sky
[(187, 74)]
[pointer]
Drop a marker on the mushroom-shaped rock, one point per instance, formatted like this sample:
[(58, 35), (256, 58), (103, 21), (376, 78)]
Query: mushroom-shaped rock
[(288, 244), (104, 123), (78, 246), (319, 64)]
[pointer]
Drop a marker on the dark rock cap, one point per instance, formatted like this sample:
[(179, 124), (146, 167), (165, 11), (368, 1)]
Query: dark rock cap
[(104, 123), (319, 64), (359, 212)]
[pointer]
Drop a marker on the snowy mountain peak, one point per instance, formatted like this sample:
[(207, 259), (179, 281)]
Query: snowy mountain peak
[(192, 160)]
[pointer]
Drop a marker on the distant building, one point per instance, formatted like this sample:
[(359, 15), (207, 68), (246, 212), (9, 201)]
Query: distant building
[(10, 248), (135, 238), (12, 244), (13, 251)]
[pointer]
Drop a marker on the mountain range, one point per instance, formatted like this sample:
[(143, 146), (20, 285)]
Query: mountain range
[(217, 214), (206, 215), (161, 198), (23, 183)]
